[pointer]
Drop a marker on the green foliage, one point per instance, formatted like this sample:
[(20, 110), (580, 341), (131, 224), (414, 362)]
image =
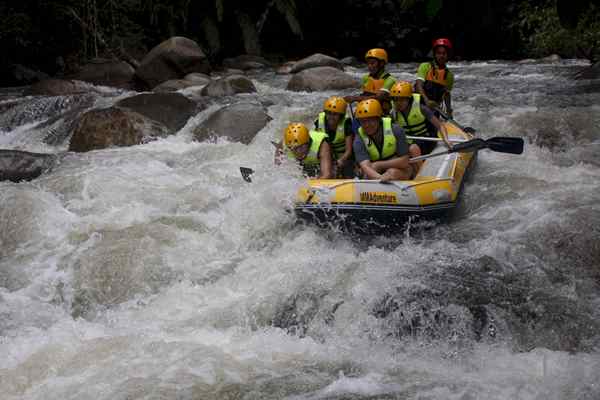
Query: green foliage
[(433, 7), (15, 28), (542, 33)]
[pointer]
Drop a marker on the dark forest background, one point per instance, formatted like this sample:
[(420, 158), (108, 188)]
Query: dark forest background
[(57, 36)]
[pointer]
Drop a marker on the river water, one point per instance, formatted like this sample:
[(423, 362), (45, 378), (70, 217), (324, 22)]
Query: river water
[(155, 272)]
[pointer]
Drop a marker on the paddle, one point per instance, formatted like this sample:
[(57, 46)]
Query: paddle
[(246, 173), (433, 139), (355, 123), (501, 144), (512, 145)]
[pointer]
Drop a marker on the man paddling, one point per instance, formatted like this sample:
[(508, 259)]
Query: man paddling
[(310, 149), (434, 79), (380, 148)]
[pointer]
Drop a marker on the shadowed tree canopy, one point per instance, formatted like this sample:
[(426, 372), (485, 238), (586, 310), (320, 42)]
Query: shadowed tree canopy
[(56, 36)]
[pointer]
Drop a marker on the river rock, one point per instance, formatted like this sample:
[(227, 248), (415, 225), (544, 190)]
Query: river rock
[(350, 61), (320, 79), (238, 122), (18, 165), (172, 59), (22, 75), (285, 68), (107, 72), (170, 109), (229, 85), (246, 61), (99, 129), (553, 58), (173, 85), (316, 60), (591, 72), (58, 87), (198, 78)]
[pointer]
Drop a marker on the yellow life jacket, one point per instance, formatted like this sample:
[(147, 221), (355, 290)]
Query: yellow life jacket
[(389, 142), (312, 158), (339, 141), (415, 124)]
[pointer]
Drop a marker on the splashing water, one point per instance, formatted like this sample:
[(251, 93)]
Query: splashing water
[(155, 272)]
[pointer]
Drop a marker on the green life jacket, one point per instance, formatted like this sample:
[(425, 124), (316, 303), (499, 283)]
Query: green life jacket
[(389, 142), (416, 123), (339, 141), (312, 158)]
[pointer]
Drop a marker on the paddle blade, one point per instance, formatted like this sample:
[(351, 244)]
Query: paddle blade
[(246, 173), (512, 145), (469, 146)]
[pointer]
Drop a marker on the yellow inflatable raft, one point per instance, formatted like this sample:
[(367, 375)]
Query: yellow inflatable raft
[(359, 203)]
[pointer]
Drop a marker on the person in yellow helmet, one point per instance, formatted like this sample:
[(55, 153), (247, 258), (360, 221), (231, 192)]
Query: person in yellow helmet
[(380, 148), (309, 148), (434, 79), (378, 82), (416, 119), (332, 120)]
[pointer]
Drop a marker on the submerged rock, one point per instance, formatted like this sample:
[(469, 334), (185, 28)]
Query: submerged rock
[(229, 85), (58, 87), (18, 165)]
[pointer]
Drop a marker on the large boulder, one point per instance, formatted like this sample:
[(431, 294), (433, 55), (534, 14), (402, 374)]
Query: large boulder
[(21, 75), (18, 165), (58, 87), (107, 73), (170, 109), (316, 60), (320, 79), (172, 59), (228, 86), (99, 129), (246, 62), (238, 122)]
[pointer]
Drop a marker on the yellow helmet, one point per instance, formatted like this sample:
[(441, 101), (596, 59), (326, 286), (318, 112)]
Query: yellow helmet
[(335, 104), (401, 89), (368, 108), (296, 134), (379, 54)]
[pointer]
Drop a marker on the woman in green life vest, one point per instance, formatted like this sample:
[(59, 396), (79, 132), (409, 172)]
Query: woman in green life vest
[(310, 149), (416, 119), (434, 79), (380, 147), (332, 120)]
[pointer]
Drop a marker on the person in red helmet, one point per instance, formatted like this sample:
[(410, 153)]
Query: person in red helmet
[(434, 79)]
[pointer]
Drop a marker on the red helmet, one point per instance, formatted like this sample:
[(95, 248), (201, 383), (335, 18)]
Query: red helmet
[(442, 42)]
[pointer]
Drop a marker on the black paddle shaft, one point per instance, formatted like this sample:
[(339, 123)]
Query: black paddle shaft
[(512, 145)]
